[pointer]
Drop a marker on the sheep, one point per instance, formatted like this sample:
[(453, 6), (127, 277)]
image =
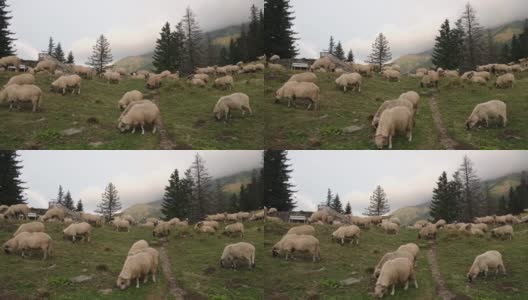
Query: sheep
[(224, 82), (304, 77), (148, 225), (344, 233), (516, 68), (298, 243), (428, 232), (302, 229), (129, 218), (26, 240), (394, 120), (128, 98), (398, 270), (92, 219), (21, 79), (403, 102), (154, 82), (46, 65), (390, 228), (155, 221), (501, 69), (430, 80), (259, 67), (81, 229), (29, 227), (412, 97), (203, 77), (481, 226), (112, 77), (412, 248), (391, 75), (390, 256), (121, 224), (136, 266), (489, 260), (503, 232), (273, 219), (3, 208), (276, 67), (137, 247), (478, 80), (349, 80), (54, 213), (366, 70), (293, 90), (274, 58), (240, 250), (440, 223), (17, 211), (67, 81), (162, 230), (395, 220), (488, 110), (140, 115), (10, 61), (15, 94), (259, 215), (121, 71), (453, 74), (84, 72), (226, 104), (207, 229), (68, 221), (505, 81), (321, 215), (483, 74), (197, 82), (207, 70)]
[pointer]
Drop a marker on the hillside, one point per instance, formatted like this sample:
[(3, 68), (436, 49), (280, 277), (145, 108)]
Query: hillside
[(501, 34), (230, 184), (220, 37)]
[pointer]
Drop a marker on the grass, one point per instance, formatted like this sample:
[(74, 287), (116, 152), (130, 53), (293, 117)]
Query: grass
[(186, 111)]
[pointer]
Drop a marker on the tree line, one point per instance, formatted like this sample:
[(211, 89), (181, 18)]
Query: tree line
[(57, 52)]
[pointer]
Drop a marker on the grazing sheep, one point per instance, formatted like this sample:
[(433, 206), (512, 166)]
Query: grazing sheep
[(398, 270), (453, 74), (224, 82), (501, 69), (121, 224), (390, 228), (323, 63), (226, 104), (197, 82), (494, 109), (136, 266), (67, 82), (26, 241), (81, 229), (140, 115), (349, 80), (390, 256), (276, 67), (46, 65), (17, 211), (54, 213), (203, 77), (21, 79), (112, 77), (3, 208), (29, 227), (395, 120), (304, 77), (94, 220), (411, 248), (428, 232), (392, 75), (241, 250), (430, 80), (479, 80), (16, 94), (84, 72), (395, 220), (162, 230), (440, 223), (273, 219), (137, 247), (129, 97), (481, 226), (154, 82), (121, 71), (10, 61), (412, 97), (403, 102), (489, 260), (321, 215), (302, 229), (274, 58), (503, 232), (350, 232), (293, 90), (505, 81), (298, 243), (207, 229), (153, 220), (366, 70)]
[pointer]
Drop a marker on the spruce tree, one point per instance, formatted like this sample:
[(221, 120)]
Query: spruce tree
[(254, 35), (523, 38), (201, 195), (68, 201), (70, 59), (278, 190), (336, 204), (471, 189), (163, 58), (193, 40), (224, 57), (473, 53), (516, 49), (178, 46), (381, 53), (331, 45), (177, 198), (279, 37), (11, 185), (79, 207), (457, 41), (51, 46), (58, 53), (503, 207), (350, 56), (329, 198), (60, 196), (339, 52), (379, 204), (445, 45), (102, 54), (110, 203), (505, 56), (6, 36), (444, 202), (348, 209), (234, 204)]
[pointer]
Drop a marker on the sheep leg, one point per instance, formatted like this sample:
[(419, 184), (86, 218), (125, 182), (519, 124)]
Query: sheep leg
[(392, 292), (154, 276), (406, 285), (309, 106), (134, 129), (503, 269), (137, 282), (415, 283), (390, 141), (142, 129), (410, 135), (146, 279)]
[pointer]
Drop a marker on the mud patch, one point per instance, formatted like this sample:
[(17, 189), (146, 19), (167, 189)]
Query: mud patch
[(443, 135), (507, 287), (174, 289), (441, 286), (510, 134)]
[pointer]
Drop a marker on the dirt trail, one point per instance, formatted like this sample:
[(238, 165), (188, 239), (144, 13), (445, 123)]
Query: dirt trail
[(165, 142), (445, 139), (441, 287), (175, 290)]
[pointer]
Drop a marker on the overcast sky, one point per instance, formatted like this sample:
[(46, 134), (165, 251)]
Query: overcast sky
[(132, 26), (408, 177), (410, 25), (140, 176)]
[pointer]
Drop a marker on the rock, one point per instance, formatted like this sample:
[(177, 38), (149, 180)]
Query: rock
[(72, 131), (352, 129), (105, 291), (81, 278), (350, 281)]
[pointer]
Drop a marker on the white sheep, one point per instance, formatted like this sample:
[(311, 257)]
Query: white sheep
[(226, 104), (403, 102), (276, 67), (129, 97), (494, 109), (154, 82), (274, 58), (46, 65), (428, 232), (503, 232), (293, 90), (392, 75), (390, 256), (112, 77), (505, 81), (298, 243), (16, 94), (137, 247), (395, 120), (136, 266), (10, 61), (161, 230), (54, 213), (26, 241), (203, 77), (197, 82), (207, 229), (140, 115), (489, 260), (21, 79), (68, 82), (224, 82), (121, 224), (412, 97), (390, 228), (349, 80), (398, 270), (344, 233), (478, 80), (441, 223), (302, 229), (17, 211), (29, 227), (411, 248), (80, 229), (304, 77), (241, 250)]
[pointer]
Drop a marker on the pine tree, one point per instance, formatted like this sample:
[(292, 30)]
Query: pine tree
[(457, 41), (348, 209), (379, 204), (523, 38), (381, 52), (445, 49), (11, 186), (201, 195), (444, 202), (224, 57), (6, 39), (178, 46), (234, 56), (110, 203), (60, 196), (102, 54), (336, 204), (68, 201), (503, 208), (350, 56), (79, 207), (331, 45), (51, 46), (329, 198), (163, 58), (70, 59), (234, 204), (516, 49), (255, 48), (279, 37), (278, 190), (193, 40), (58, 53), (473, 39), (177, 198), (505, 56), (471, 189), (339, 52)]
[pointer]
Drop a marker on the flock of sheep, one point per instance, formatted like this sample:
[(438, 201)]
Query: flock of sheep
[(397, 116)]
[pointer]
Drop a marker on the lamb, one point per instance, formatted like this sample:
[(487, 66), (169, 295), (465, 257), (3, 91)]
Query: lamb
[(390, 256), (401, 102), (54, 213), (162, 230), (505, 81), (21, 79), (197, 82), (412, 248), (129, 97), (226, 104), (392, 121), (29, 227), (46, 65), (488, 110), (26, 240), (112, 77), (391, 75), (489, 260), (224, 82), (298, 243), (10, 61), (81, 229), (17, 211), (140, 115), (503, 232), (428, 232), (304, 77), (302, 229), (136, 266), (154, 82), (15, 94), (68, 81), (343, 233), (121, 224), (412, 97), (398, 270), (137, 247), (294, 90), (349, 80), (240, 250)]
